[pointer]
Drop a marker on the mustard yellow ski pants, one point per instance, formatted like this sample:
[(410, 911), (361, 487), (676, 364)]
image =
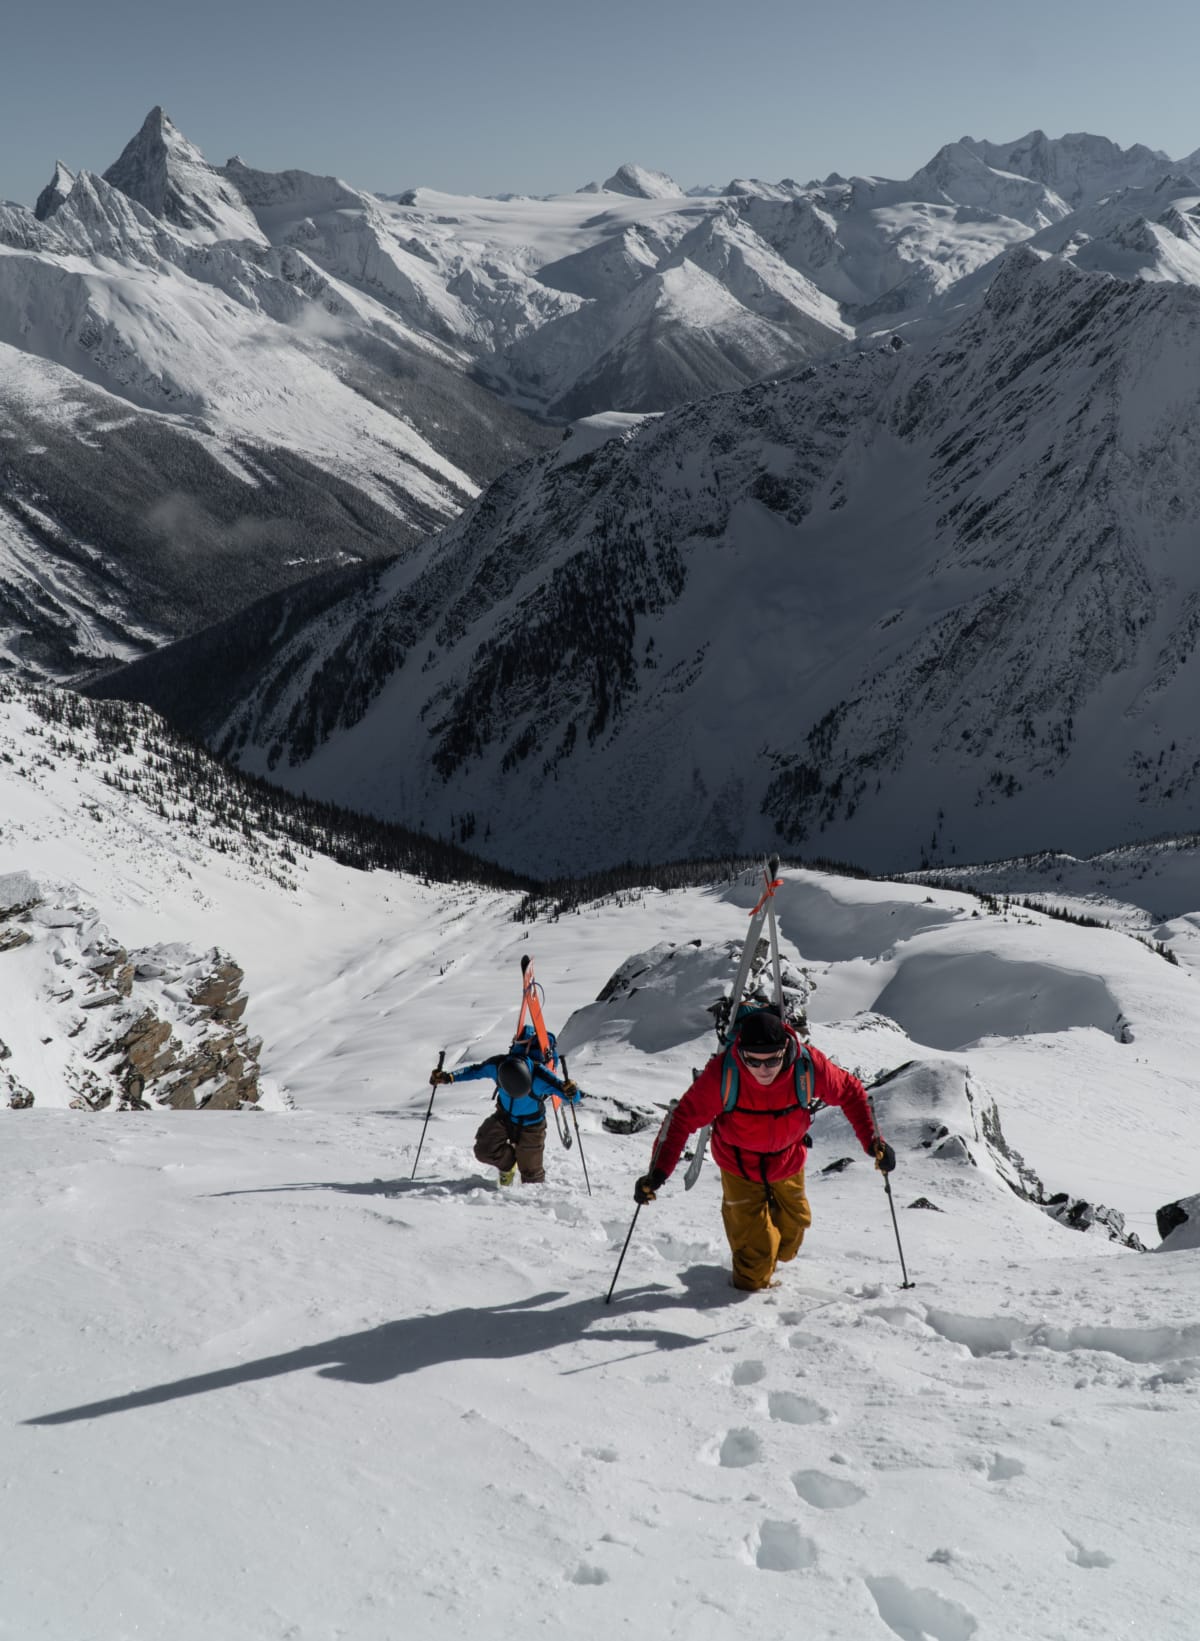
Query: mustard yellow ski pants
[(764, 1224)]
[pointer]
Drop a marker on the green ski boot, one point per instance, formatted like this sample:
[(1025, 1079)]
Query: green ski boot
[(507, 1175)]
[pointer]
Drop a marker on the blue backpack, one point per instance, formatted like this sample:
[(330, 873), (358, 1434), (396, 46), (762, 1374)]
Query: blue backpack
[(528, 1047)]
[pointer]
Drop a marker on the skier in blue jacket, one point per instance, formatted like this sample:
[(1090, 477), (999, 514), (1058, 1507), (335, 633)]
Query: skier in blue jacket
[(514, 1136)]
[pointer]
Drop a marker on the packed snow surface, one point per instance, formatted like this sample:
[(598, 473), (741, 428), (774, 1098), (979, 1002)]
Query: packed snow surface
[(261, 1382)]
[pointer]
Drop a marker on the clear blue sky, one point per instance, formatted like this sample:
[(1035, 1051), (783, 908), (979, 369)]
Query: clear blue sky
[(539, 97)]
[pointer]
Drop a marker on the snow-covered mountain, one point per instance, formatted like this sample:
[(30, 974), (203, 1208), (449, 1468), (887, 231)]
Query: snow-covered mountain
[(642, 183), (287, 1307), (907, 604), (280, 373), (190, 416), (1079, 167)]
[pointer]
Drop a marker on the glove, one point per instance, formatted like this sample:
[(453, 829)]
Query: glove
[(885, 1157), (570, 1089), (649, 1185), (436, 1077)]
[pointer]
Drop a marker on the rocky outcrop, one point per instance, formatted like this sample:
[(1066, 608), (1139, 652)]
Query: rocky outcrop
[(153, 1066), (99, 1027), (1179, 1225), (1076, 1213)]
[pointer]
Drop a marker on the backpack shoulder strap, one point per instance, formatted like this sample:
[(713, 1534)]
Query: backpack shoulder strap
[(729, 1080), (803, 1072)]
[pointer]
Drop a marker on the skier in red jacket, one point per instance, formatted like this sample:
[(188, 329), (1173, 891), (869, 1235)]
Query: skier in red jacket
[(757, 1095)]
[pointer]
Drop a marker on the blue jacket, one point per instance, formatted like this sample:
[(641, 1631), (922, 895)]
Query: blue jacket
[(526, 1110)]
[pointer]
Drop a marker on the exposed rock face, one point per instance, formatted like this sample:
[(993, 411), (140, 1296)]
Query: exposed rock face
[(53, 194), (170, 177), (1179, 1225), (99, 1027), (939, 1107)]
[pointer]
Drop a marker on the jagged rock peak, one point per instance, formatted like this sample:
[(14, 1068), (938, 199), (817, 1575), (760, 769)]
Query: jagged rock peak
[(55, 191), (641, 183), (169, 176)]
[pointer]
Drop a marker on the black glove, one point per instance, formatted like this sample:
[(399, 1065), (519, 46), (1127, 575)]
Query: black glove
[(436, 1077), (648, 1186), (569, 1088), (885, 1157)]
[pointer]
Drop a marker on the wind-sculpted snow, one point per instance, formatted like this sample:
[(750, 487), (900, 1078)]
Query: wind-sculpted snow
[(951, 1000), (985, 1335), (833, 928)]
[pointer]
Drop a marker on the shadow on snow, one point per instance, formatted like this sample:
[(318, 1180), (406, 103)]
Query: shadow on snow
[(490, 1332)]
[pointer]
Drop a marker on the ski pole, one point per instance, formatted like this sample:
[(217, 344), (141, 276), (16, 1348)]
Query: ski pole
[(658, 1144), (624, 1250), (887, 1185), (578, 1135), (433, 1088)]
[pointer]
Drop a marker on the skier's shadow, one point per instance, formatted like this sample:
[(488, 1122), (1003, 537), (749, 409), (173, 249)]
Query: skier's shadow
[(491, 1332), (427, 1187)]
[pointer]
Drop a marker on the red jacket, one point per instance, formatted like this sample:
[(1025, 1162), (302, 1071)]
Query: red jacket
[(763, 1136)]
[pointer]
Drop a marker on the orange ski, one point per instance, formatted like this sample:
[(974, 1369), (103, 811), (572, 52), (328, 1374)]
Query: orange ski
[(531, 1008)]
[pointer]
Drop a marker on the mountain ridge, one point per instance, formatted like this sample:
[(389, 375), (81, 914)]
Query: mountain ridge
[(979, 541)]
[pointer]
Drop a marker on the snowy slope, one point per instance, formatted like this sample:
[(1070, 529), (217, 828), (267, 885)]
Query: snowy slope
[(905, 606), (387, 1405)]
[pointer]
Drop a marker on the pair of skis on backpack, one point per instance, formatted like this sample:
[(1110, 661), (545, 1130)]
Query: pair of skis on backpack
[(762, 913)]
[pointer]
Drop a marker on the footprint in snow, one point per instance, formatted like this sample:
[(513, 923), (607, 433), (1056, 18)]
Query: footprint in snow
[(1002, 1468), (826, 1492), (787, 1406), (909, 1613), (749, 1372), (677, 1252), (736, 1449), (569, 1213), (585, 1574), (780, 1547), (1086, 1558)]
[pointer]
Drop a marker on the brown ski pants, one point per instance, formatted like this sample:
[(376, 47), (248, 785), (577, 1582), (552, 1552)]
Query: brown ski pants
[(500, 1146), (764, 1224)]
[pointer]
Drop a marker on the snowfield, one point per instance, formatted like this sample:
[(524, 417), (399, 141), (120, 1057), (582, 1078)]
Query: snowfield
[(262, 1383)]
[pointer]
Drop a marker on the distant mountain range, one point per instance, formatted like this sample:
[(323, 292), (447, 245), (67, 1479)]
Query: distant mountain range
[(217, 381), (870, 535)]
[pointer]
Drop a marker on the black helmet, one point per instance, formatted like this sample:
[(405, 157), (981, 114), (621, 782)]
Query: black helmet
[(514, 1077)]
